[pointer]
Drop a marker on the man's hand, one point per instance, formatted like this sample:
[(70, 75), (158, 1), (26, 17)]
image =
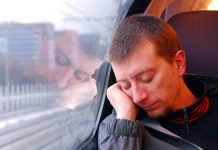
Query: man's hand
[(123, 105)]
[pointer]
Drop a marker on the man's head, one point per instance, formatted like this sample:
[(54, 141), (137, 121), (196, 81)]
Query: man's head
[(148, 63), (139, 28)]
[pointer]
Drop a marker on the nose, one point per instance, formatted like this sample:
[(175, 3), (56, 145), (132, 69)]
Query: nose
[(63, 76), (139, 94)]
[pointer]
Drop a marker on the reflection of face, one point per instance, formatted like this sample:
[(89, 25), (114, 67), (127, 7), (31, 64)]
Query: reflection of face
[(74, 70), (149, 80), (73, 73)]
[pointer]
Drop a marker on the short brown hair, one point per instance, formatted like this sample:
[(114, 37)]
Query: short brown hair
[(136, 29)]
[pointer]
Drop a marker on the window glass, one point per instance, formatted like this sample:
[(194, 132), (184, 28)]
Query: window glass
[(52, 72)]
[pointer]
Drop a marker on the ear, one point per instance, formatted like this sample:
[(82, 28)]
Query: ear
[(180, 62)]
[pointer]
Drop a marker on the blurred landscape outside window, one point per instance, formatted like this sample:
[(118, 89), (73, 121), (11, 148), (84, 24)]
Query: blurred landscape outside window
[(52, 66)]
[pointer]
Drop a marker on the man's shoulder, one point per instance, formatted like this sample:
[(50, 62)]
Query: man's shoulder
[(206, 78), (211, 83)]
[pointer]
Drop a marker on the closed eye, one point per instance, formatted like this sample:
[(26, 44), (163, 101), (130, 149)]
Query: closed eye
[(146, 80)]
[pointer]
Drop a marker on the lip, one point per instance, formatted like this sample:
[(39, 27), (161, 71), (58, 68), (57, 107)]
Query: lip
[(152, 106)]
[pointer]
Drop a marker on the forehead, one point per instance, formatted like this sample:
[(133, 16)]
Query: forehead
[(142, 59)]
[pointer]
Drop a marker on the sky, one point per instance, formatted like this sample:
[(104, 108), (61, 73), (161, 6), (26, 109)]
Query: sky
[(30, 10), (55, 11)]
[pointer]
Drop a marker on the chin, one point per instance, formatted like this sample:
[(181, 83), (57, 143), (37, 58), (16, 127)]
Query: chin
[(158, 114)]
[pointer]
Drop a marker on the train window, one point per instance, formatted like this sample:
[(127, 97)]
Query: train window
[(168, 8), (52, 70)]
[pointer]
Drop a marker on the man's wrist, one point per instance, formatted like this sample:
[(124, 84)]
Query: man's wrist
[(127, 115)]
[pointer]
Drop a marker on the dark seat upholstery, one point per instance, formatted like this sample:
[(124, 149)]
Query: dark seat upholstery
[(198, 33)]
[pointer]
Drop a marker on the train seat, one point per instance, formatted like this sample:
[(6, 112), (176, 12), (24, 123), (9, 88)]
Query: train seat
[(198, 33)]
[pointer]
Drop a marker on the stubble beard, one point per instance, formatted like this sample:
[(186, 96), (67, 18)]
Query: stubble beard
[(160, 113)]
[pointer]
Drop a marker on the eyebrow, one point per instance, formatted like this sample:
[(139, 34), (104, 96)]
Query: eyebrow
[(138, 74)]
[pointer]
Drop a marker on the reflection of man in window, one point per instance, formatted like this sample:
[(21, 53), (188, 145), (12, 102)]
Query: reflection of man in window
[(75, 64), (76, 58)]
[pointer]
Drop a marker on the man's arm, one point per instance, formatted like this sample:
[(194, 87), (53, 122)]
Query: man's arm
[(120, 130), (120, 134)]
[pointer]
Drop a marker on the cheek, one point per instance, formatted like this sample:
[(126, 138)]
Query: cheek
[(168, 89), (162, 87)]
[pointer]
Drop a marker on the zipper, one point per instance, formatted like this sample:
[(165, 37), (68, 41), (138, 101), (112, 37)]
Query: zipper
[(186, 119)]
